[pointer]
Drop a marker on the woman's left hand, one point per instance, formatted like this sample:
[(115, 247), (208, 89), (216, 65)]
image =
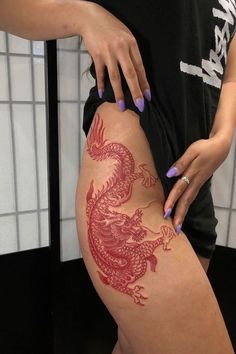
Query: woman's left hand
[(198, 163)]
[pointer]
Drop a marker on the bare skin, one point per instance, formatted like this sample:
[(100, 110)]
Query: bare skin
[(166, 304), (108, 40)]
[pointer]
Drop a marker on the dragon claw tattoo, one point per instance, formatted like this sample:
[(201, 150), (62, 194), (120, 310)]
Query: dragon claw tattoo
[(116, 240)]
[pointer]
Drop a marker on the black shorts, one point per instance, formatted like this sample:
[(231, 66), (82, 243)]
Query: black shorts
[(200, 221)]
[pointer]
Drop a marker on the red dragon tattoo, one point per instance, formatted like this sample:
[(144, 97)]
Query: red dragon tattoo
[(115, 239)]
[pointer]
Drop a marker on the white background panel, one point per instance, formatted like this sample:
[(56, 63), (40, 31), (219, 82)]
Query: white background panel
[(39, 79), (18, 45), (69, 76), (7, 191), (42, 154), (28, 225), (222, 181), (44, 225), (38, 47), (85, 83), (221, 228), (4, 96), (232, 235), (82, 46), (71, 43), (8, 239), (2, 42), (69, 241), (21, 78), (69, 156), (82, 137), (25, 156)]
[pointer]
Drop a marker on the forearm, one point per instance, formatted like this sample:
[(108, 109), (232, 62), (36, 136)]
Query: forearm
[(225, 118), (43, 19)]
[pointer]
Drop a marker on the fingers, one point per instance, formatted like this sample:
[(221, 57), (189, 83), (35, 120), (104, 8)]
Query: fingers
[(131, 77), (182, 195), (138, 64), (115, 79), (99, 68), (126, 54), (183, 205), (182, 164)]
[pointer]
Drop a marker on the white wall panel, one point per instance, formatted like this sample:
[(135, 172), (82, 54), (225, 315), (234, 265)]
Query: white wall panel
[(44, 226), (69, 75), (21, 78), (85, 83), (42, 154), (82, 134), (39, 79), (4, 96), (38, 48), (69, 157), (18, 45), (25, 156), (69, 242), (222, 226), (222, 181), (28, 226), (7, 190), (2, 42), (232, 235), (8, 235)]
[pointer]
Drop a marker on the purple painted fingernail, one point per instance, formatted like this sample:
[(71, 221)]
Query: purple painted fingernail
[(173, 171), (121, 104), (167, 213), (140, 104), (148, 95), (100, 92), (178, 229)]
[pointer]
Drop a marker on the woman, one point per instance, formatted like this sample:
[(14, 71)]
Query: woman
[(141, 263)]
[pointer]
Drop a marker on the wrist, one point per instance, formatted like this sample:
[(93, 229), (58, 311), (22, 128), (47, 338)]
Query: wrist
[(224, 137), (85, 8)]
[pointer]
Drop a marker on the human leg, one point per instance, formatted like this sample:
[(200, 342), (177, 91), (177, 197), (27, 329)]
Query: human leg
[(149, 278)]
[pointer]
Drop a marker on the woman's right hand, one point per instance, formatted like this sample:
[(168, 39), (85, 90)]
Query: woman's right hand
[(110, 42)]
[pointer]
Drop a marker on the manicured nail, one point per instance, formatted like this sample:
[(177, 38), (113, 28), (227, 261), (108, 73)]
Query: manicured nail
[(121, 104), (167, 213), (100, 92), (173, 171), (148, 95), (178, 229), (140, 104)]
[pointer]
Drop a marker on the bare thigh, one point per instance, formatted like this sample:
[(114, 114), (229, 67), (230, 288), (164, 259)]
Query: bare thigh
[(149, 278)]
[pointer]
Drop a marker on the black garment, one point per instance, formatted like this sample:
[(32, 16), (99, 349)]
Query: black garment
[(184, 46)]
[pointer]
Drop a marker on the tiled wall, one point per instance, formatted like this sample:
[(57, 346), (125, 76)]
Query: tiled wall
[(73, 91), (23, 150)]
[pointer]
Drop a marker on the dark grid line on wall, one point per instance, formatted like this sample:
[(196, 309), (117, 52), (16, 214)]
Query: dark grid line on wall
[(23, 212), (24, 55)]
